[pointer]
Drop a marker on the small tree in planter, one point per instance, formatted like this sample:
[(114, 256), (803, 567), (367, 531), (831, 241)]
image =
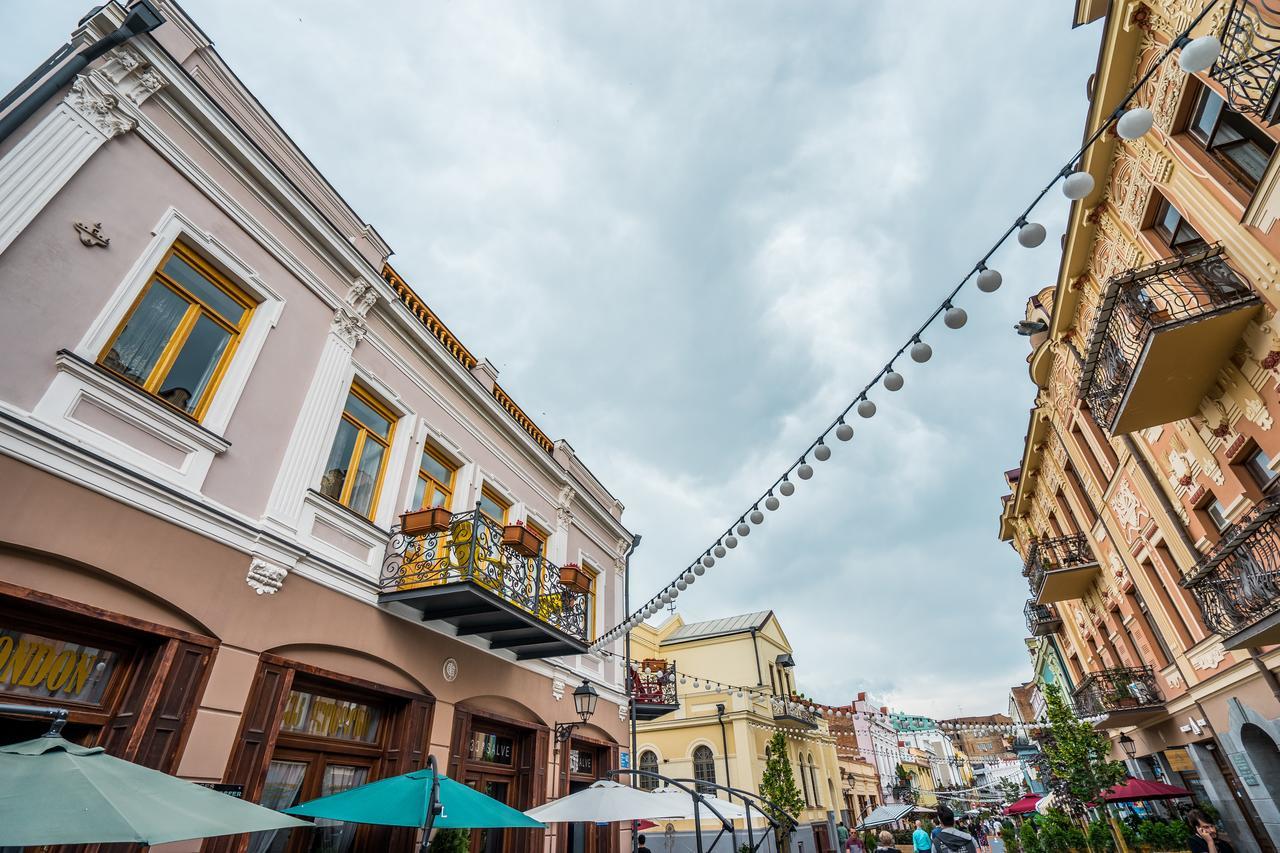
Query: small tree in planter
[(778, 787), (1028, 837), (1009, 836)]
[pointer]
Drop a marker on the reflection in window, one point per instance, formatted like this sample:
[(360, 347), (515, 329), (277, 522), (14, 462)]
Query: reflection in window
[(435, 480), (649, 763), (1176, 232), (1238, 145), (493, 507), (359, 453)]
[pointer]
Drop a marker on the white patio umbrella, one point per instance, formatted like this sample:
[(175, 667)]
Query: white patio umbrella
[(684, 801), (604, 802)]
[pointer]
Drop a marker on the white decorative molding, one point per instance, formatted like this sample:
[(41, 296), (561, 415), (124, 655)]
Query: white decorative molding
[(265, 578), (1210, 657), (99, 106), (557, 688), (1174, 680), (624, 709), (449, 669), (349, 327)]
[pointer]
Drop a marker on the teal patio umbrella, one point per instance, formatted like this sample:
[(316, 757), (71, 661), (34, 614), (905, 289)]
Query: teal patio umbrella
[(53, 791), (408, 800)]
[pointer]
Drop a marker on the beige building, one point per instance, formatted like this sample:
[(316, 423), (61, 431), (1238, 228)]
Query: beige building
[(736, 679)]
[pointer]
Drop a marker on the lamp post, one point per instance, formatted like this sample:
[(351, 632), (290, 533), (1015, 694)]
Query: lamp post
[(584, 703), (1129, 745)]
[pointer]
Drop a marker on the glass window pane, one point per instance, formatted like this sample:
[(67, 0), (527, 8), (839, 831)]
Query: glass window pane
[(194, 366), (1207, 112), (366, 477), (1249, 158), (204, 290), (1169, 218), (419, 491), (365, 414), (138, 347), (436, 468), (335, 470), (490, 507)]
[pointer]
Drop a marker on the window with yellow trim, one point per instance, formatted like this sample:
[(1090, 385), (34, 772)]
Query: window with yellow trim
[(493, 506), (358, 458), (590, 615), (436, 476), (179, 335)]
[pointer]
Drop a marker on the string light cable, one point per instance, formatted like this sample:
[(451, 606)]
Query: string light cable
[(1130, 123)]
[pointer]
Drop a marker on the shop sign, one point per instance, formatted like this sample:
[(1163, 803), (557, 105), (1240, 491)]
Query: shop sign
[(1244, 770), (580, 761), (236, 791), (324, 716), (624, 760), (1179, 760), (31, 665), (492, 748)]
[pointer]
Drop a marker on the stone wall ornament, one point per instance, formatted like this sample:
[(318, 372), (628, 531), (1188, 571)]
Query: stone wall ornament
[(265, 578), (1128, 509), (1210, 657), (99, 108), (91, 235), (361, 297), (450, 669), (557, 688), (350, 328)]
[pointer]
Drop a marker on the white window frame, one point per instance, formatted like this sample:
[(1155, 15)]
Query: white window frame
[(449, 449)]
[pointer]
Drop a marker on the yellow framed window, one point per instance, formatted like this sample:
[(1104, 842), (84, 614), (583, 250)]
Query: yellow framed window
[(435, 480), (590, 615), (178, 337), (493, 506), (358, 458)]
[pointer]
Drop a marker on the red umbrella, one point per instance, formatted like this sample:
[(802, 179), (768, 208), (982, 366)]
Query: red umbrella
[(1133, 790), (642, 825), (1026, 805)]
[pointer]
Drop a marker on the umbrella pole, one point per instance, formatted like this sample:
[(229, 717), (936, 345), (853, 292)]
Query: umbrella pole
[(433, 803)]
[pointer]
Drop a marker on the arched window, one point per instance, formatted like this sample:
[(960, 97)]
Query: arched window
[(813, 778), (704, 768), (648, 763), (804, 778)]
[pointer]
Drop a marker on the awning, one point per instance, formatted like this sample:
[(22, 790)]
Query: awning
[(1134, 790), (1026, 805), (885, 815)]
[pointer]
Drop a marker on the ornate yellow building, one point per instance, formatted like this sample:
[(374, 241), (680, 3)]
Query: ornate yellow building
[(1144, 508)]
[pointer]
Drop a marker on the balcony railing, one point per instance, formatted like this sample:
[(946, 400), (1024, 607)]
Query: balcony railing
[(1249, 65), (789, 710), (1050, 559), (1118, 692), (653, 688), (1161, 334), (467, 576), (1042, 619), (1237, 584)]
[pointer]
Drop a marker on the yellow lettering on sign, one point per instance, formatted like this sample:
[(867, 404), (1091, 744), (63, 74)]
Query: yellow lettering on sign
[(61, 670), (18, 661), (41, 655), (83, 668), (6, 649)]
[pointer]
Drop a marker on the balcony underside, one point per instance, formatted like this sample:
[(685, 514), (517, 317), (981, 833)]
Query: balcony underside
[(646, 711), (1066, 584), (795, 721), (477, 612), (1045, 627), (1176, 367), (1117, 718), (1264, 632)]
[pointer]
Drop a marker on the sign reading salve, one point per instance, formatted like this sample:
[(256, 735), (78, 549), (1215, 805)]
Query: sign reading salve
[(31, 665)]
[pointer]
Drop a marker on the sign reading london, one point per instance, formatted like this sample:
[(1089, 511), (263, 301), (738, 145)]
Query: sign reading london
[(31, 665)]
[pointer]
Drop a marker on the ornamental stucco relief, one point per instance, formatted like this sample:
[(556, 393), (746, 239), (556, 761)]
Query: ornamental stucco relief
[(1210, 657), (1128, 509)]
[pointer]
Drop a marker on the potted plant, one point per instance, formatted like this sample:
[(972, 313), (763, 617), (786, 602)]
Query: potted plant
[(574, 578), (420, 522), (521, 539)]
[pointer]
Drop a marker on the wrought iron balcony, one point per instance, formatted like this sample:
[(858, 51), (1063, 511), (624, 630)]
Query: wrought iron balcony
[(653, 688), (1249, 65), (1120, 696), (790, 711), (1060, 569), (1042, 619), (1237, 584), (1160, 336), (466, 576)]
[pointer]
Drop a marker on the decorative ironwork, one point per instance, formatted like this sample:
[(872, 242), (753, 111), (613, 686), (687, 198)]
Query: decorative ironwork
[(789, 709), (653, 682), (1060, 552), (471, 550), (1041, 618), (1137, 304), (1249, 65), (1117, 689), (1237, 584), (903, 791)]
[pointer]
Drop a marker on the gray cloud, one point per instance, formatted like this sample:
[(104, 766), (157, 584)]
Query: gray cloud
[(687, 233)]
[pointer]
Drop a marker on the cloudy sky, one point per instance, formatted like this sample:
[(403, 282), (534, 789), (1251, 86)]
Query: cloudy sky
[(687, 234)]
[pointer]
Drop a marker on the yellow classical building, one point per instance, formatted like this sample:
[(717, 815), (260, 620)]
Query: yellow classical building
[(735, 682)]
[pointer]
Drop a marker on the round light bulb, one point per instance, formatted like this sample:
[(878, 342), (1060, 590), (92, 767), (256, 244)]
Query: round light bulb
[(787, 488), (1199, 54), (822, 453), (921, 352), (708, 561), (731, 542), (688, 576), (955, 318), (771, 503), (757, 517), (672, 594), (744, 529), (719, 551), (1077, 185), (1031, 235), (989, 280), (844, 432), (867, 408), (1135, 122), (681, 585), (805, 471), (893, 381), (699, 570)]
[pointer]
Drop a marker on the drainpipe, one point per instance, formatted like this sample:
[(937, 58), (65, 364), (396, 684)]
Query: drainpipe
[(756, 645), (142, 18), (626, 651), (724, 740)]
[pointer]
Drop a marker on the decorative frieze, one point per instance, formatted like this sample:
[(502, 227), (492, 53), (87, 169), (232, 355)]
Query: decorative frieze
[(265, 578)]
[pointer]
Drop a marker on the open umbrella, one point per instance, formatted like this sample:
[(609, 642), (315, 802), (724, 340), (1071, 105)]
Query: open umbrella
[(53, 791), (884, 815), (605, 802), (684, 801), (402, 801), (1132, 790), (1026, 805)]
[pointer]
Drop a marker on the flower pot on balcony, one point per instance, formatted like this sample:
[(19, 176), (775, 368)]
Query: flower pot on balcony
[(574, 578), (521, 539), (421, 522)]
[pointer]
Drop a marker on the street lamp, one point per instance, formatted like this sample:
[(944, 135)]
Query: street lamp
[(584, 703), (1129, 746)]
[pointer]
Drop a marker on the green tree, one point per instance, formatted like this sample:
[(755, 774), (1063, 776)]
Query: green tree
[(1074, 757), (450, 841), (1028, 838), (1011, 789), (778, 787)]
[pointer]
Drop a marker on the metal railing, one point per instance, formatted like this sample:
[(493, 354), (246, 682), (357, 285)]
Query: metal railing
[(1248, 66), (783, 707), (471, 550), (1059, 552), (1140, 302), (1237, 584), (1117, 689), (653, 682), (1039, 616)]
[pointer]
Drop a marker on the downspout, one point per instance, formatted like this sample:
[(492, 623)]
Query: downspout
[(142, 18), (755, 645), (626, 651), (724, 740)]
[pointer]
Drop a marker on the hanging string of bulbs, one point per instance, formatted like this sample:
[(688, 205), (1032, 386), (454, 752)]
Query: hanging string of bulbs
[(1130, 123)]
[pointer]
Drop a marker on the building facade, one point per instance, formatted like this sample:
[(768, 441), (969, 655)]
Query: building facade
[(1142, 510), (737, 687), (218, 401)]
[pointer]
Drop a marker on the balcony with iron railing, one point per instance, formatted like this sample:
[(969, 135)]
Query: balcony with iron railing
[(1120, 696), (465, 574), (653, 688), (1042, 619), (790, 711), (1237, 584), (1060, 569), (1248, 66), (1160, 336)]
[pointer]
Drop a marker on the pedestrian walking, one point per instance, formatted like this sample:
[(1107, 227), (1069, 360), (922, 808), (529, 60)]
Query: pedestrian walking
[(842, 835), (920, 839), (949, 839), (886, 842), (980, 835)]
